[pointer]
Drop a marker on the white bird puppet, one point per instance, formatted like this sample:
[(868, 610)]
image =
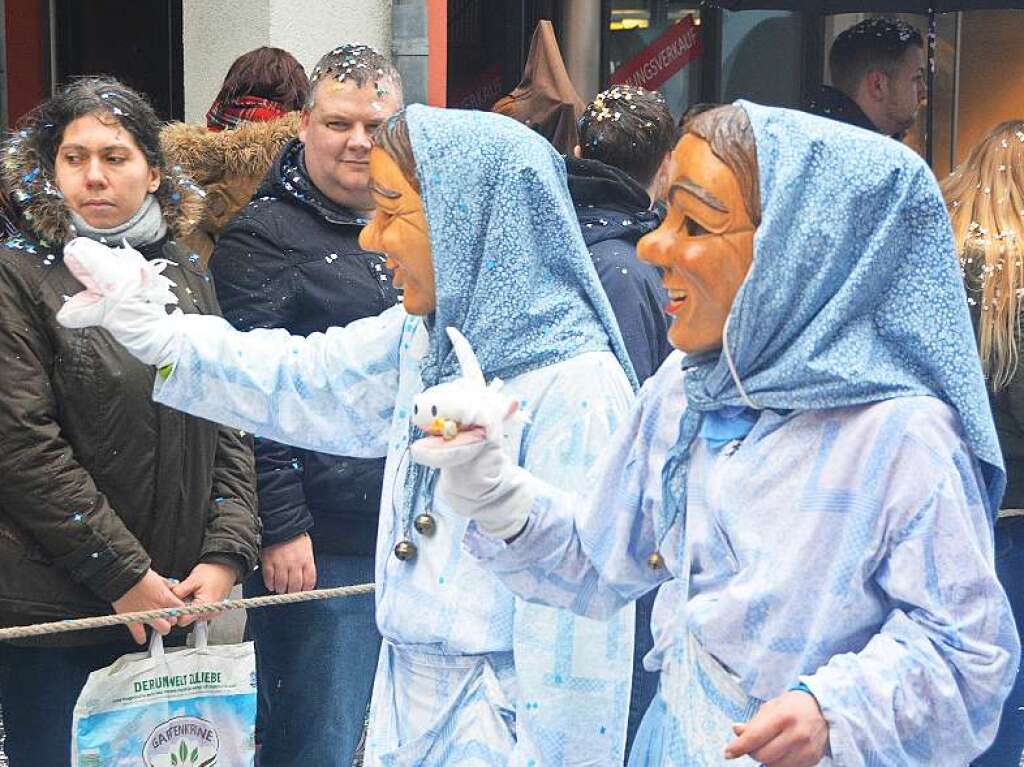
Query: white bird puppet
[(465, 410), (109, 275)]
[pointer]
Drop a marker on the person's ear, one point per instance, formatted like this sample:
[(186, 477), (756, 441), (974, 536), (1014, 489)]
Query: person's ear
[(154, 180), (303, 124), (876, 82), (577, 152)]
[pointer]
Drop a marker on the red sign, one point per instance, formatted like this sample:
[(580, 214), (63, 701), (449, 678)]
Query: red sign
[(676, 47)]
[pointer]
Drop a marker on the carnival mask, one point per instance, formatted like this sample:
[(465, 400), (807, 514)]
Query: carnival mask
[(399, 231), (704, 247)]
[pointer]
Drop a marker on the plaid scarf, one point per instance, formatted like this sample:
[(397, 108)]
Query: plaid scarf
[(230, 114)]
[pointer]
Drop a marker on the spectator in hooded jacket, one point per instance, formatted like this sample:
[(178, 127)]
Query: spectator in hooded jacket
[(984, 196), (616, 175), (254, 115), (105, 496), (291, 259)]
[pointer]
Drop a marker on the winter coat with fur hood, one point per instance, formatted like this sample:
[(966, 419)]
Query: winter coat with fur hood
[(99, 483), (228, 165)]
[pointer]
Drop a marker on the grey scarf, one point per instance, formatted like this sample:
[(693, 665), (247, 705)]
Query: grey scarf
[(145, 227)]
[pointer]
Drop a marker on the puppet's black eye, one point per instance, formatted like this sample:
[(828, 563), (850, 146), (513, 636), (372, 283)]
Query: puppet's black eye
[(433, 410), (415, 409)]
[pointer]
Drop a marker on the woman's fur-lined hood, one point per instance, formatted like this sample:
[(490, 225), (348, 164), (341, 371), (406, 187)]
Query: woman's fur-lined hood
[(48, 217), (246, 151)]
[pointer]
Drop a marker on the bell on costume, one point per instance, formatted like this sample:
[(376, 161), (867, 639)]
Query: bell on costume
[(655, 561), (405, 550), (425, 524)]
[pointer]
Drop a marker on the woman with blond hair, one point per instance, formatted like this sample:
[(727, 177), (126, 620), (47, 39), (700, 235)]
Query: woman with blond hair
[(985, 197)]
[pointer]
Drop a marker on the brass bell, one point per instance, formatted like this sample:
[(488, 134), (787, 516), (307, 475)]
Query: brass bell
[(405, 550), (655, 561), (425, 524)]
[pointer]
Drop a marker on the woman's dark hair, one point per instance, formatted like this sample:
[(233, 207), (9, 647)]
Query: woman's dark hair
[(269, 73), (730, 135), (102, 96), (393, 138)]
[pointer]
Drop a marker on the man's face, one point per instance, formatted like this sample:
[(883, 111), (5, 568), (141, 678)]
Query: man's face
[(903, 92), (399, 231), (704, 247), (338, 132)]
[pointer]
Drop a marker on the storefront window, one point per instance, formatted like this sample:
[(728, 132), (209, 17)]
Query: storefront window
[(762, 57), (656, 45)]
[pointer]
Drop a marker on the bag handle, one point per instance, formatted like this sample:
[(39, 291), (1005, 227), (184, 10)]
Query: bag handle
[(156, 642)]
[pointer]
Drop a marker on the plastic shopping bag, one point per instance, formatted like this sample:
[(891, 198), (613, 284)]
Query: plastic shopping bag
[(188, 707)]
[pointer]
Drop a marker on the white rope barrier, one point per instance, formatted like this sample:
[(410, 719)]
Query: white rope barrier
[(123, 619)]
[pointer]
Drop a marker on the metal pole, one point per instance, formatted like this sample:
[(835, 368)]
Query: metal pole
[(929, 132)]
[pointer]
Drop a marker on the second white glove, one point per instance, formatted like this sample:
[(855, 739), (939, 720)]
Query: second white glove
[(479, 482)]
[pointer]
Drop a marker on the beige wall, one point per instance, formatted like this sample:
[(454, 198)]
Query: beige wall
[(215, 32), (991, 74)]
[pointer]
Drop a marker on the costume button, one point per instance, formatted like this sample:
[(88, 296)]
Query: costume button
[(655, 561)]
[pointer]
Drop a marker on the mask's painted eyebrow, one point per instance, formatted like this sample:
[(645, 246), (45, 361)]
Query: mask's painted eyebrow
[(389, 194), (700, 193)]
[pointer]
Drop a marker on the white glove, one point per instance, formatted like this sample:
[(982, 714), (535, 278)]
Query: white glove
[(125, 294), (479, 481)]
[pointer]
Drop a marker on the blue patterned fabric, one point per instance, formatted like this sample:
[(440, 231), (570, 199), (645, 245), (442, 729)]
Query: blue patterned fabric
[(854, 295), (848, 549), (512, 271)]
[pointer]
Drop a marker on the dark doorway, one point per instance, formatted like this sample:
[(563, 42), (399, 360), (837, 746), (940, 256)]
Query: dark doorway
[(136, 41), (487, 47)]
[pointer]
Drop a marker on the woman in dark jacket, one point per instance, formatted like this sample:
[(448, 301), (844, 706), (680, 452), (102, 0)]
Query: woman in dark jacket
[(985, 197), (109, 503)]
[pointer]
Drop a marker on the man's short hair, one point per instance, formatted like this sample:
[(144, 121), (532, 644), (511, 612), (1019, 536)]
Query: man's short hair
[(630, 129), (877, 43), (356, 63)]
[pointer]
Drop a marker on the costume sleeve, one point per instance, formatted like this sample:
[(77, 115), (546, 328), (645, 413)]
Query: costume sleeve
[(587, 551), (573, 673), (257, 288), (45, 490), (928, 688), (332, 392)]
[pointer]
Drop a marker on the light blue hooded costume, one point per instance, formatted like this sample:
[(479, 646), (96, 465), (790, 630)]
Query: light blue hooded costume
[(837, 533), (468, 674)]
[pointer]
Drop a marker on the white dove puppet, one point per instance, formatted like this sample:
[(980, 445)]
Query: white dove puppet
[(465, 411)]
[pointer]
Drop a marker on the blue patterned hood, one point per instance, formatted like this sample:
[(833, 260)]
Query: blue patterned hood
[(854, 295), (511, 268)]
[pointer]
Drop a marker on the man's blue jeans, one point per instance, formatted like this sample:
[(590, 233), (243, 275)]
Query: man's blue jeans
[(1009, 743), (645, 683), (315, 663)]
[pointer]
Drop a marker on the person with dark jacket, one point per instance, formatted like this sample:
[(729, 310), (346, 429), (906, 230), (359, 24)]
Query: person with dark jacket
[(989, 232), (877, 69), (106, 497), (291, 259), (616, 178)]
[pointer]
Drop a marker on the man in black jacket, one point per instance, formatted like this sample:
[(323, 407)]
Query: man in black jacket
[(615, 178), (617, 175), (878, 77), (291, 259)]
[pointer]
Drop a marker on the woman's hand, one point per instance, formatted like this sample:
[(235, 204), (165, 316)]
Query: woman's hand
[(208, 582), (787, 731), (150, 593)]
